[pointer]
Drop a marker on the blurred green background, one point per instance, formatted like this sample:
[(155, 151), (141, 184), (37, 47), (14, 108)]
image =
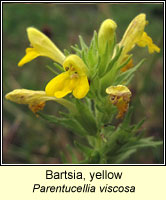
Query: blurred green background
[(28, 139)]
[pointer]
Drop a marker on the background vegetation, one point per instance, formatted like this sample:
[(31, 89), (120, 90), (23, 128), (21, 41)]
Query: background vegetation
[(28, 139)]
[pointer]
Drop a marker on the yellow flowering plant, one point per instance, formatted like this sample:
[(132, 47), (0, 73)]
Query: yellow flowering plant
[(92, 86)]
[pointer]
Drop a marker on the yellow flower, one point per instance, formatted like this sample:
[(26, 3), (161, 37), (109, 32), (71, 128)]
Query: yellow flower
[(35, 99), (135, 35), (120, 97), (41, 46), (74, 79), (106, 34)]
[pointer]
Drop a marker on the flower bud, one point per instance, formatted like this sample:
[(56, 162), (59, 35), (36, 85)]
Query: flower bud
[(106, 35)]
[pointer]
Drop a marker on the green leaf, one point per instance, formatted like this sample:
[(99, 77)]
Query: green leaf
[(69, 123), (86, 118), (137, 126), (124, 76), (59, 67), (66, 52), (63, 158), (93, 44), (123, 156), (127, 119), (77, 50), (72, 154), (52, 70), (129, 79), (145, 142), (84, 149), (113, 61), (125, 63), (109, 128), (82, 43), (84, 57), (110, 75), (94, 158), (140, 143)]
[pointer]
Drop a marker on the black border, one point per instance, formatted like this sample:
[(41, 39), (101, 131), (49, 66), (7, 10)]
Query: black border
[(83, 2)]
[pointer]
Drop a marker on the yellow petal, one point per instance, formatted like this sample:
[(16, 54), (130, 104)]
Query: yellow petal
[(44, 46), (74, 79), (41, 46), (117, 90), (68, 87), (145, 40), (81, 88), (56, 84), (31, 54), (24, 96)]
